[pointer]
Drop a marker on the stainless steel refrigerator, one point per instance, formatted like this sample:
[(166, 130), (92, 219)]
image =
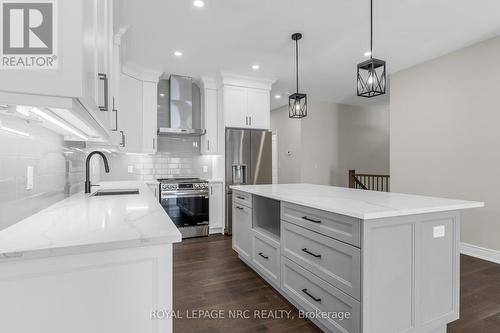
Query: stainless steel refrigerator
[(248, 162)]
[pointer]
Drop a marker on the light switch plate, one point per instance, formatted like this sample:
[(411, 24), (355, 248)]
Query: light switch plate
[(130, 168), (30, 177), (438, 231)]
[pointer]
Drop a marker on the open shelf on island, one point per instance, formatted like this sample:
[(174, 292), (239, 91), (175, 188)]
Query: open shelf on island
[(266, 216)]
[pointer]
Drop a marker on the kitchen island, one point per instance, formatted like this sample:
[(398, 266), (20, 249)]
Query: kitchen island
[(89, 263), (354, 260)]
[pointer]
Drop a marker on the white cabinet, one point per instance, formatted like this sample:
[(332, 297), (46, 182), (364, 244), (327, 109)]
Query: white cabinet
[(210, 118), (259, 108), (246, 104), (242, 230), (216, 210), (154, 187), (79, 52), (137, 115), (235, 106)]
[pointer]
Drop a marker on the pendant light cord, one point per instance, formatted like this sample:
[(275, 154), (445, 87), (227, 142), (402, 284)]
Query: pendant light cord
[(297, 64), (371, 29)]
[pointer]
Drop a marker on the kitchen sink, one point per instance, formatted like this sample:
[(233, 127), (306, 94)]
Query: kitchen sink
[(105, 192)]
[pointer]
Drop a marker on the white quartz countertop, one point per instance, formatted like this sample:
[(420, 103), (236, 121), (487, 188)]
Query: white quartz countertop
[(361, 204), (84, 223)]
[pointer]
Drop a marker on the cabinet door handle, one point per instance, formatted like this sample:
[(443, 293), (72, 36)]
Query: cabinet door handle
[(240, 197), (250, 120), (122, 144), (116, 114), (208, 144), (310, 253), (238, 207), (246, 120), (310, 219), (103, 77), (308, 294), (263, 256), (211, 190)]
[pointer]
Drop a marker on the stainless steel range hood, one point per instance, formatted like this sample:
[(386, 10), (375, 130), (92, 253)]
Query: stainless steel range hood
[(183, 111)]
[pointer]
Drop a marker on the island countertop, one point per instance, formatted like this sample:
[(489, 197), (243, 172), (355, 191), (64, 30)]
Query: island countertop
[(85, 223), (356, 203)]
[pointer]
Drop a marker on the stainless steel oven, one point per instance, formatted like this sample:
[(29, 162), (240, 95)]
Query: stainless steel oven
[(185, 200)]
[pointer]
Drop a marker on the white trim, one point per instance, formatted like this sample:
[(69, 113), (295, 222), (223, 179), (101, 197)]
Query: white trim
[(245, 81), (480, 252), (216, 230)]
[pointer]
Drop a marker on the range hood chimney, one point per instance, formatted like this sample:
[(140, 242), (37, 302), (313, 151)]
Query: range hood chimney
[(183, 118)]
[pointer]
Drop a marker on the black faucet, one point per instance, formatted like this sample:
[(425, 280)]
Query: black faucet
[(87, 169)]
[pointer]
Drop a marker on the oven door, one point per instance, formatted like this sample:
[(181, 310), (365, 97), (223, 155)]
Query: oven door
[(186, 209)]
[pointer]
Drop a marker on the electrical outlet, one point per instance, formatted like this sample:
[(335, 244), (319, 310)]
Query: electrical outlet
[(438, 231), (30, 177), (130, 168), (205, 168)]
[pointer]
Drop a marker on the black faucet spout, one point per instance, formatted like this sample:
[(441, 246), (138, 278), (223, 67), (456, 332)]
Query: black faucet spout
[(88, 185)]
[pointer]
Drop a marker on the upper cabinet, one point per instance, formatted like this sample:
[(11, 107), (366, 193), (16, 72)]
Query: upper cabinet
[(137, 111), (209, 117), (245, 102), (77, 68)]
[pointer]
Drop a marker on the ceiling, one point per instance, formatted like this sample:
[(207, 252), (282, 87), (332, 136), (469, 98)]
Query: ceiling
[(232, 35)]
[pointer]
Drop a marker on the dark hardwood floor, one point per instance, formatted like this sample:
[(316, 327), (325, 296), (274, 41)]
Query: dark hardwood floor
[(209, 276)]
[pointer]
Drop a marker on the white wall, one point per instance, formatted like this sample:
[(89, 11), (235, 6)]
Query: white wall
[(445, 130), (331, 140), (289, 150)]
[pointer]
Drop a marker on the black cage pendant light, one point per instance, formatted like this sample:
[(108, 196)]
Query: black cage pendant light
[(371, 73), (297, 102)]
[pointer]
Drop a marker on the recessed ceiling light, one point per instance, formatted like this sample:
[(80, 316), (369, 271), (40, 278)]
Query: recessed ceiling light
[(178, 53), (255, 67), (367, 54), (277, 96), (198, 3)]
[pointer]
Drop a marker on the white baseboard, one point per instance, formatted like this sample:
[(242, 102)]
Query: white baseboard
[(480, 252), (216, 230)]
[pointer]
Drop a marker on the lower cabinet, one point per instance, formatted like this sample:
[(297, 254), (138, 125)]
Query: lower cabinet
[(216, 207), (314, 294), (266, 257), (317, 273), (242, 230)]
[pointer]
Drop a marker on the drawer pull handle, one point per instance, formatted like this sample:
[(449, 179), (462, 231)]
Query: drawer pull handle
[(310, 253), (310, 219), (241, 198), (263, 256), (314, 298), (238, 207)]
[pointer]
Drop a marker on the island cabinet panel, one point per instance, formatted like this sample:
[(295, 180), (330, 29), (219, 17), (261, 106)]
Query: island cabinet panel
[(411, 272), (332, 260), (266, 257), (314, 294), (242, 230), (341, 227)]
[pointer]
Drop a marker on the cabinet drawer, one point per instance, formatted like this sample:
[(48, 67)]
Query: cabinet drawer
[(313, 294), (243, 198), (341, 227), (266, 256), (336, 262)]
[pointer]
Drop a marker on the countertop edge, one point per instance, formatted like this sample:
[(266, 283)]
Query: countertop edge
[(369, 216)]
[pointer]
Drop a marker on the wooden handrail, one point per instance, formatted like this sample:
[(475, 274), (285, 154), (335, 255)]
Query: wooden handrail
[(364, 181)]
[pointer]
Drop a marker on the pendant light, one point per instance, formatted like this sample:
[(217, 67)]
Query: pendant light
[(371, 73), (297, 102)]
